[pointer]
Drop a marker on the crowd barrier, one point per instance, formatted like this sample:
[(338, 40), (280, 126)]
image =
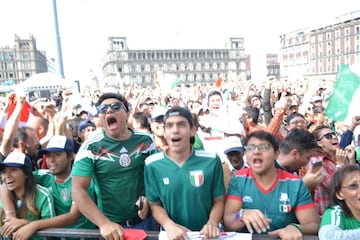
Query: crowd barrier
[(65, 233)]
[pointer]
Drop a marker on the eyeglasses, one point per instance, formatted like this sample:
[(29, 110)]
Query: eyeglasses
[(297, 122), (352, 186), (262, 147), (116, 106), (328, 136)]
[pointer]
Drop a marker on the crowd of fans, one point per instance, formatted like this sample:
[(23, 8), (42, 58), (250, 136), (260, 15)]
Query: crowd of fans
[(252, 157)]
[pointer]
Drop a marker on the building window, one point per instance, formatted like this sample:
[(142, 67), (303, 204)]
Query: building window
[(9, 66), (27, 74), (26, 65), (25, 56), (11, 75), (347, 31), (191, 66)]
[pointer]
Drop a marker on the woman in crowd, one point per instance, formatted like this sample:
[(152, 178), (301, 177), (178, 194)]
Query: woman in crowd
[(334, 157), (32, 201), (342, 219)]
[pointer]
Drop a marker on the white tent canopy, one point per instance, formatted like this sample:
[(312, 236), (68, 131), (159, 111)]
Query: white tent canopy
[(46, 81)]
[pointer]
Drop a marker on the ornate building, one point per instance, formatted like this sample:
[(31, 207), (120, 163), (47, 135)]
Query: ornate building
[(21, 62), (316, 53), (122, 65)]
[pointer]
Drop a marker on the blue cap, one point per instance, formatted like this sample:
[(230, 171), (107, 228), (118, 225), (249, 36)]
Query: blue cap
[(84, 124), (18, 160), (57, 144)]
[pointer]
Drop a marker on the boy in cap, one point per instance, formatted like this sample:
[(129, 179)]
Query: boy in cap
[(157, 128), (180, 173), (59, 157), (234, 153), (34, 202), (85, 128)]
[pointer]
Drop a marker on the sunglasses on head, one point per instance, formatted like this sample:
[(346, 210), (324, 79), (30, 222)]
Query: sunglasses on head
[(328, 136), (116, 106)]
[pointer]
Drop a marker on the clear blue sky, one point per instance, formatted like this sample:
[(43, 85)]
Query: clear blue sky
[(85, 25)]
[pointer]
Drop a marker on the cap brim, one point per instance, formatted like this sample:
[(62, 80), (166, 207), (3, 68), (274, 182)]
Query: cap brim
[(234, 149), (16, 165)]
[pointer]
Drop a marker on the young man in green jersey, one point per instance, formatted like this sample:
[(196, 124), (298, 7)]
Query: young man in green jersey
[(265, 199), (59, 155), (184, 186), (114, 156)]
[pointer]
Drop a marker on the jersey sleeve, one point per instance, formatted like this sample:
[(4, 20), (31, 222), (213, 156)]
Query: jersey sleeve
[(83, 164), (151, 192), (304, 197)]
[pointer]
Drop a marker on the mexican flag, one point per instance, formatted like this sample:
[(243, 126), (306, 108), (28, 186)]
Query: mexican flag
[(166, 81), (344, 102)]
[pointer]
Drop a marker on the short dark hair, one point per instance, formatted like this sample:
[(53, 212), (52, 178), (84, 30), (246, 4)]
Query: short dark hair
[(213, 93), (253, 113), (22, 134), (119, 97), (317, 130), (142, 119), (263, 135), (293, 115), (336, 185), (299, 139)]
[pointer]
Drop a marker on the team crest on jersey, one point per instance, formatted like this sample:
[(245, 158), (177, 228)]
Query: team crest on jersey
[(65, 194), (166, 181), (124, 160), (197, 178), (284, 205), (247, 199)]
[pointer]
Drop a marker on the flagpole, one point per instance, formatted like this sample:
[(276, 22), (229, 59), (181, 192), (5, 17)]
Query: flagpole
[(58, 42)]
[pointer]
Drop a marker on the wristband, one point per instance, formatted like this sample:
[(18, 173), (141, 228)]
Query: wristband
[(239, 215), (298, 227)]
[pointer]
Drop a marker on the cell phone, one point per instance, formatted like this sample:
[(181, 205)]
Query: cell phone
[(316, 163)]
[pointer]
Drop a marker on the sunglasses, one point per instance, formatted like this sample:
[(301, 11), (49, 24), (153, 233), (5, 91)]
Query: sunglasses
[(352, 186), (261, 147), (328, 136), (116, 106)]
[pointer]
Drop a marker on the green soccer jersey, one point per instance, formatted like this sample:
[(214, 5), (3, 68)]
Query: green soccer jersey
[(279, 203), (61, 193), (44, 204), (118, 170), (335, 216), (186, 192)]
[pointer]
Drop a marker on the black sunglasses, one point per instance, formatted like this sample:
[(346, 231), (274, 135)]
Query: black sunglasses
[(328, 136), (116, 106)]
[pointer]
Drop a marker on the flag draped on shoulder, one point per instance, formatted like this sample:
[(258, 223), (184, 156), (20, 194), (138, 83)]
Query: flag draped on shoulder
[(345, 99)]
